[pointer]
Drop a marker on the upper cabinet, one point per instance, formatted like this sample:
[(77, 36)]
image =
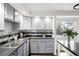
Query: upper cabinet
[(42, 23), (17, 16), (1, 16), (21, 22), (25, 23), (9, 12), (49, 23), (37, 23)]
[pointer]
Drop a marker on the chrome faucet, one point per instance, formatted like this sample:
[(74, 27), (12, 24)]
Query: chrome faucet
[(8, 38)]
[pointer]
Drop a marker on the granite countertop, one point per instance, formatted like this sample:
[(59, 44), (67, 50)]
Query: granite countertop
[(7, 51), (73, 50)]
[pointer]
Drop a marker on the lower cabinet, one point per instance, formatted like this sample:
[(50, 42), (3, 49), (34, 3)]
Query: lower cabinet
[(33, 46), (27, 49), (42, 45), (14, 53), (49, 46), (20, 51)]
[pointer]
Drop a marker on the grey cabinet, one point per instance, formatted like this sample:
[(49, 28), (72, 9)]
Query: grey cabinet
[(9, 11), (38, 23), (27, 49), (27, 22), (33, 45), (20, 51), (1, 16), (42, 45), (42, 23), (24, 49), (21, 22), (17, 16), (49, 46), (49, 23)]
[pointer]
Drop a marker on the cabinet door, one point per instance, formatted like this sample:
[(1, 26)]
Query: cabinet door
[(21, 22), (9, 12), (1, 16), (25, 49), (41, 46), (37, 23), (33, 46), (49, 22), (20, 51), (41, 24), (27, 22), (34, 23), (17, 16), (49, 46)]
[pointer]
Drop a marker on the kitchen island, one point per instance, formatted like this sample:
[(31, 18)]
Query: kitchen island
[(28, 46)]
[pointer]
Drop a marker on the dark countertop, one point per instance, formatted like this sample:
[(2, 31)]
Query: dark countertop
[(7, 51), (74, 51)]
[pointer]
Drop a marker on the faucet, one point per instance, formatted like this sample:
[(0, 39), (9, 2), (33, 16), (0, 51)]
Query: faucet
[(8, 38), (15, 38)]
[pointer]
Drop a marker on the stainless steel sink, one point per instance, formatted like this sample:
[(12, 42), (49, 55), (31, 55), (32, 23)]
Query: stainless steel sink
[(10, 45)]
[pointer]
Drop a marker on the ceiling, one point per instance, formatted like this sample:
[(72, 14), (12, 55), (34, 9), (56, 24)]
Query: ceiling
[(43, 6)]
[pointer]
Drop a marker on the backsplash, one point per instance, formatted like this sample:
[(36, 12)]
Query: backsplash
[(10, 27)]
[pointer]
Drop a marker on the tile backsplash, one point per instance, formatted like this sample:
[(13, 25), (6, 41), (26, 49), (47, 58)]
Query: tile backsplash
[(10, 27)]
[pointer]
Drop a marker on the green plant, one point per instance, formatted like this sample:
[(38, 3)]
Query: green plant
[(70, 34)]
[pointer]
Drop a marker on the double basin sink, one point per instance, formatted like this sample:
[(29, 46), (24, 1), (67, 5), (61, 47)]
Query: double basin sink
[(12, 44)]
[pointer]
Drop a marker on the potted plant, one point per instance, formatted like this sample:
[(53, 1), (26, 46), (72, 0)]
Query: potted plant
[(70, 34)]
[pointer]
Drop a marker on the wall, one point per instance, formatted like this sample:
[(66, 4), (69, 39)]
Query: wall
[(15, 27)]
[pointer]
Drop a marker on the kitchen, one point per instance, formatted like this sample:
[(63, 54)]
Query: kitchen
[(28, 29)]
